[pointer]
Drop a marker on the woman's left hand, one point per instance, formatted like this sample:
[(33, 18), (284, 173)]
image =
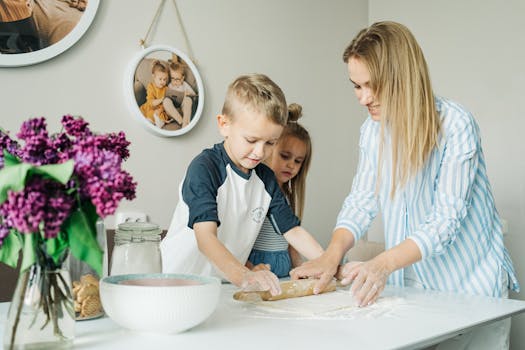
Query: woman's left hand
[(369, 279)]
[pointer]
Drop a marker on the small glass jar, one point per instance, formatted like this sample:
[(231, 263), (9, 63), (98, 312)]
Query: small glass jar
[(137, 249)]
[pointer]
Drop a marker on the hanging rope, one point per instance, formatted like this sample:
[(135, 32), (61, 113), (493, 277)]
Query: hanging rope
[(187, 42), (157, 14), (181, 26)]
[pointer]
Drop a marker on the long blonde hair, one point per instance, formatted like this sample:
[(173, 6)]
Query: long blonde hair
[(295, 190), (401, 83)]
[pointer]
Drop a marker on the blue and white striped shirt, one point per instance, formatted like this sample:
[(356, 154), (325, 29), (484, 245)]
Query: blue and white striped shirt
[(447, 209)]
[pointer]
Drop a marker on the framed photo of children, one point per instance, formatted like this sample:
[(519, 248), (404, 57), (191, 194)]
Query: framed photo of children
[(164, 91), (33, 31)]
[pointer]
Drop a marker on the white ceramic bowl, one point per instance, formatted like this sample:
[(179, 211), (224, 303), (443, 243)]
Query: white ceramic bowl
[(159, 303)]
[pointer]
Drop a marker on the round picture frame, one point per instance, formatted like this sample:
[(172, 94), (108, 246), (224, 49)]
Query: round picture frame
[(55, 26), (182, 93)]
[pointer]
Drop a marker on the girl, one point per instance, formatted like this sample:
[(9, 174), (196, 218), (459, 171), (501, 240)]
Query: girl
[(152, 109), (422, 164), (290, 162)]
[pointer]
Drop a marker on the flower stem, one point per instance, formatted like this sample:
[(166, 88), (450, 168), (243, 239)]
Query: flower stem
[(19, 309)]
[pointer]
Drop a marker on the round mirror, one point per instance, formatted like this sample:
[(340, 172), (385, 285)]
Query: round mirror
[(35, 31), (164, 91)]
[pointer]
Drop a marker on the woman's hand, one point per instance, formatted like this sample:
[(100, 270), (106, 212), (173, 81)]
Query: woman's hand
[(369, 279), (324, 268)]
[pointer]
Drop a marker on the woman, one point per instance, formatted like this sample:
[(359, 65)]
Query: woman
[(421, 162)]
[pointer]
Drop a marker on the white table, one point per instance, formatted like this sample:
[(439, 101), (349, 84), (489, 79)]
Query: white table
[(425, 319)]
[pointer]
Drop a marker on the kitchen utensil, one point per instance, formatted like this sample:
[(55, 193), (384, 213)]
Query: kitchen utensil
[(289, 289)]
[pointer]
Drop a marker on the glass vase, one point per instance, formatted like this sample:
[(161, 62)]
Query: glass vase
[(41, 314)]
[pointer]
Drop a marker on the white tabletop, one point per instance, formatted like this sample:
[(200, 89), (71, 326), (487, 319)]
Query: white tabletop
[(418, 318)]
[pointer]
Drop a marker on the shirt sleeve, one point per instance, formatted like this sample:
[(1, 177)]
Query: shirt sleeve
[(361, 206), (453, 185), (199, 190)]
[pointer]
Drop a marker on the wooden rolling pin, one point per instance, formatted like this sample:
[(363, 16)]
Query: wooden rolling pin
[(289, 289)]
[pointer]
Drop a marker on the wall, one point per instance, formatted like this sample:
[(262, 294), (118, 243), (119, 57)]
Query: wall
[(475, 54), (297, 43)]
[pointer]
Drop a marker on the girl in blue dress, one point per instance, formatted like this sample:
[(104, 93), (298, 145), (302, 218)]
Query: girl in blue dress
[(290, 161)]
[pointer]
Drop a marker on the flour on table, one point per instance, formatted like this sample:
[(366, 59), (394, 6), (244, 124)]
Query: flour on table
[(336, 305)]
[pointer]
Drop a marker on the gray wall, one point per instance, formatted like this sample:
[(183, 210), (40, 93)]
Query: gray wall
[(475, 53)]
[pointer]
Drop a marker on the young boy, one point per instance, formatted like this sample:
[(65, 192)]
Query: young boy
[(179, 95), (227, 192)]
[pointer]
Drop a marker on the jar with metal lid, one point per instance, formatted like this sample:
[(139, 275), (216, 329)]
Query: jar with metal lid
[(137, 249)]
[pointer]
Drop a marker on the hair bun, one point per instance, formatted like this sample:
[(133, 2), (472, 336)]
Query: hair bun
[(295, 111)]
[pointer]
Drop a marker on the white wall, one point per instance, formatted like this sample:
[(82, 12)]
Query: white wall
[(297, 43), (476, 56)]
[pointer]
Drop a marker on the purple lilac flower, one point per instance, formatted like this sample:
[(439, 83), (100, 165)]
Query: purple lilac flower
[(98, 175), (116, 143), (42, 202), (4, 231), (8, 144), (38, 148), (76, 127), (101, 178)]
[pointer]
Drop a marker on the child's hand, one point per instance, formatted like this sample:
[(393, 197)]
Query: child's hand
[(261, 267), (253, 281)]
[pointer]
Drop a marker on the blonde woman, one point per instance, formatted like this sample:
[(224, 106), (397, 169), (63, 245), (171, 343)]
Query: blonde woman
[(421, 162)]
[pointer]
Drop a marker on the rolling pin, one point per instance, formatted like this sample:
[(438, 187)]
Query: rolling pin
[(289, 289)]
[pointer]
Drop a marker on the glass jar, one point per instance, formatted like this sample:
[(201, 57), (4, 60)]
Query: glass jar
[(41, 314), (137, 249)]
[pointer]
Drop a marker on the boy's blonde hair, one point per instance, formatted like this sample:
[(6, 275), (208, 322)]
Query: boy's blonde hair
[(178, 67), (400, 81), (295, 190), (257, 92)]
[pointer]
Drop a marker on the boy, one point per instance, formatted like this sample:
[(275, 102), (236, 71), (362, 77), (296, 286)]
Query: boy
[(227, 192), (179, 95)]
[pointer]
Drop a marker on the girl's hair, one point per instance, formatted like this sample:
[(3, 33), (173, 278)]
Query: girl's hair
[(259, 93), (295, 190), (157, 66), (400, 81)]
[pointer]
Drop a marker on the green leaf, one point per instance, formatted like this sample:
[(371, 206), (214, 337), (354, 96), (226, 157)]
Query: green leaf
[(82, 240), (60, 172), (56, 247), (10, 249), (29, 250), (10, 159), (12, 177), (91, 214)]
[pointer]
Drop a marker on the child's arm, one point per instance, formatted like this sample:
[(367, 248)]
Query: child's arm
[(188, 91), (151, 96), (304, 242), (295, 257), (157, 102), (228, 265)]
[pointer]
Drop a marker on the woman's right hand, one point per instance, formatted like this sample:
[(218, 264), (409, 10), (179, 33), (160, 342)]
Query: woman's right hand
[(323, 268), (262, 280)]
